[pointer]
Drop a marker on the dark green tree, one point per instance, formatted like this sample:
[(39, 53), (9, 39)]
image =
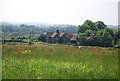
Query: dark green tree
[(42, 38), (104, 38), (91, 24), (95, 34), (116, 37), (100, 25), (83, 28)]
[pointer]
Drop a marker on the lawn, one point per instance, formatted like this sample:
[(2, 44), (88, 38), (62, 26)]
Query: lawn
[(58, 62)]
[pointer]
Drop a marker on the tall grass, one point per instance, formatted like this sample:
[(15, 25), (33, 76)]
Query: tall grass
[(58, 62)]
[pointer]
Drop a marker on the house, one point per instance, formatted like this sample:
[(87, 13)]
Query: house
[(57, 37)]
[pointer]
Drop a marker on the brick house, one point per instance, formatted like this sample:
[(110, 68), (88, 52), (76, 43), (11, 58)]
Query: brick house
[(57, 37)]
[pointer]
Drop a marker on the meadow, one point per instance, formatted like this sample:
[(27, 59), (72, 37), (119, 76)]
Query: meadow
[(58, 62)]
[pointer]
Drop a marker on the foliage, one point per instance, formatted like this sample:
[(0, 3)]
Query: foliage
[(100, 25), (91, 25), (83, 28), (116, 37), (42, 38), (96, 34)]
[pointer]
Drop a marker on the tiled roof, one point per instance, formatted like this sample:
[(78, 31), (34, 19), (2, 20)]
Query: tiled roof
[(73, 38), (66, 33), (70, 34), (61, 34), (49, 34), (54, 34)]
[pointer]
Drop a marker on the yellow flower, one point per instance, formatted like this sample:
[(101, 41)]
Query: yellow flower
[(23, 52), (26, 51), (29, 51)]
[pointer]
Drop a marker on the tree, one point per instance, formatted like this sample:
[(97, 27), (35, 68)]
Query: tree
[(83, 28), (81, 39), (87, 25), (42, 38), (91, 24), (110, 31), (116, 37), (104, 38), (100, 25), (88, 33), (95, 34)]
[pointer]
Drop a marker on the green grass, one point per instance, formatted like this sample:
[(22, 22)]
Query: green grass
[(49, 62), (51, 44)]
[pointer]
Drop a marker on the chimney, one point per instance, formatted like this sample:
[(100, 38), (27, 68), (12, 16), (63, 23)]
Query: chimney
[(57, 31)]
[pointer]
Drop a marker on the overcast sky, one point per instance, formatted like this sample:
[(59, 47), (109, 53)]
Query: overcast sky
[(59, 11)]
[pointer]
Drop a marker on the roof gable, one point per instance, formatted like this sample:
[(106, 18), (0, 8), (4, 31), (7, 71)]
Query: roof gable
[(61, 34), (54, 34), (66, 33)]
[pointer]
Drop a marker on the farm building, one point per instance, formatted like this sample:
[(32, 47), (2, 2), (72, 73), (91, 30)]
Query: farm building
[(57, 37)]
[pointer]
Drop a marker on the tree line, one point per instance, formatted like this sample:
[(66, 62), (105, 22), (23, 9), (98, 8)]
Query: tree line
[(11, 30)]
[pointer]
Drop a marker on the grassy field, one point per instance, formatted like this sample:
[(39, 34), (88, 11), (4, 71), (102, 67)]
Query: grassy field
[(59, 62)]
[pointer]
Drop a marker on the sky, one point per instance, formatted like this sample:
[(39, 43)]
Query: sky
[(59, 11)]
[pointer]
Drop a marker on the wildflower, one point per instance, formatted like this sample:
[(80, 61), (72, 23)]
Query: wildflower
[(26, 52), (29, 51), (23, 52)]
